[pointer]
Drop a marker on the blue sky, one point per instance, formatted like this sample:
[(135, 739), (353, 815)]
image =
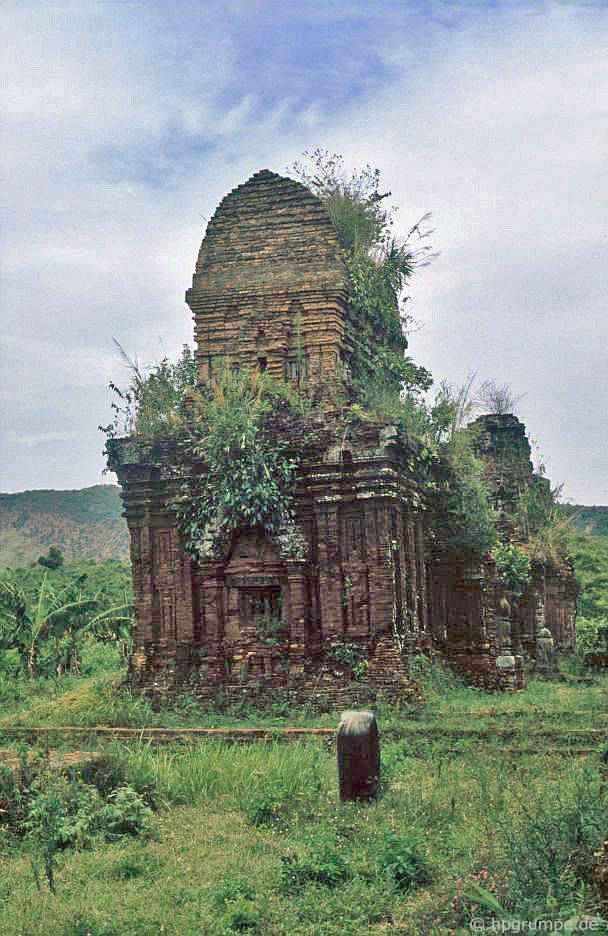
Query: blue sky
[(125, 123)]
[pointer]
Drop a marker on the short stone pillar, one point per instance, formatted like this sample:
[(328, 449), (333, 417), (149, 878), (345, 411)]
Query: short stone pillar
[(545, 652), (358, 750), (503, 626)]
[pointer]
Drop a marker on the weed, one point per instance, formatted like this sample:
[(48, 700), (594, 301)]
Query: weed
[(402, 858), (324, 864)]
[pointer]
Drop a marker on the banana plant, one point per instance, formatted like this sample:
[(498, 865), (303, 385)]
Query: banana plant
[(26, 621), (115, 624)]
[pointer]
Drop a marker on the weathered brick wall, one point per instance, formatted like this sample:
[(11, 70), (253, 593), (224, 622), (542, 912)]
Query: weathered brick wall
[(270, 289), (358, 584), (551, 599)]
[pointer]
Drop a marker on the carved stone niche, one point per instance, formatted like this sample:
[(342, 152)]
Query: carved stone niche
[(254, 585)]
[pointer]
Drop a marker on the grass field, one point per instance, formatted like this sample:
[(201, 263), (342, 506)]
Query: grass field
[(252, 838)]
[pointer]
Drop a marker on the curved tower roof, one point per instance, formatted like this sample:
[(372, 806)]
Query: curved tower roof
[(269, 233)]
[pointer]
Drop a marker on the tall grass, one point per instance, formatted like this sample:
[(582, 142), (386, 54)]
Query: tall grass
[(237, 775)]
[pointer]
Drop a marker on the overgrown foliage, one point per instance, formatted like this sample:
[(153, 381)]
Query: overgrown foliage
[(250, 472), (539, 520), (513, 568), (55, 811), (380, 266), (385, 382), (154, 402), (349, 655)]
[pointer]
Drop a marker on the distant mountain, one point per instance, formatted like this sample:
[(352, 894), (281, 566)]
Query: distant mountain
[(85, 524), (590, 520)]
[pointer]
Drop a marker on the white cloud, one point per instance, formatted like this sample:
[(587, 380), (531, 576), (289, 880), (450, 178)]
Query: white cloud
[(41, 438)]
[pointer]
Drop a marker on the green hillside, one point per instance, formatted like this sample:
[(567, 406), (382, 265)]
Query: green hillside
[(85, 524), (590, 520)]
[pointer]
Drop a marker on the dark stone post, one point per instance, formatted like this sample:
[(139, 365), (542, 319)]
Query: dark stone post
[(358, 756)]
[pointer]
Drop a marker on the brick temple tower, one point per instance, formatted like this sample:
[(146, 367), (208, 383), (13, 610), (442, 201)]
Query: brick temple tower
[(358, 576)]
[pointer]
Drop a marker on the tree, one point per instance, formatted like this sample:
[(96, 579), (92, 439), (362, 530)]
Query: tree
[(57, 619), (53, 559), (491, 398), (25, 621)]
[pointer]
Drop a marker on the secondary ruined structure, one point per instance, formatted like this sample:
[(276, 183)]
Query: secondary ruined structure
[(361, 578)]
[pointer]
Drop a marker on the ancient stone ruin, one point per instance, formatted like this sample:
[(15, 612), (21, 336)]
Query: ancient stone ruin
[(362, 578)]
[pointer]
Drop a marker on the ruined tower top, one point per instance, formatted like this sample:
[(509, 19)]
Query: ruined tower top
[(270, 287), (269, 233)]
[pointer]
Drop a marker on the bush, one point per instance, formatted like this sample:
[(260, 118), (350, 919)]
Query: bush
[(513, 568), (351, 656), (65, 812), (125, 813), (592, 640), (323, 864), (463, 499), (250, 475), (402, 858), (154, 403)]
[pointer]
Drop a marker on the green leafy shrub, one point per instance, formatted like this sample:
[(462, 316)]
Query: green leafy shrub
[(463, 499), (402, 858), (64, 812), (541, 522), (155, 402), (125, 813), (250, 474), (351, 656), (592, 640), (379, 267), (513, 568), (61, 813), (322, 864)]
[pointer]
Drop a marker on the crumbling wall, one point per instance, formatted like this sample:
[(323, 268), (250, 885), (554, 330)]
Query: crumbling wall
[(359, 586), (550, 601)]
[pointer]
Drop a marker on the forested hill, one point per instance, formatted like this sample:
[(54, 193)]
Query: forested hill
[(590, 520), (85, 524)]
